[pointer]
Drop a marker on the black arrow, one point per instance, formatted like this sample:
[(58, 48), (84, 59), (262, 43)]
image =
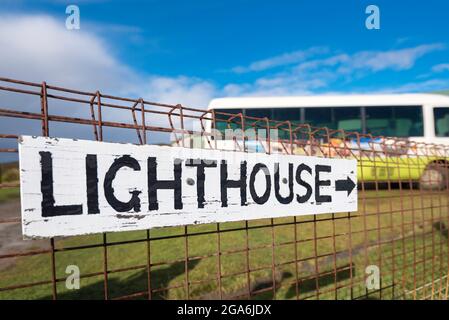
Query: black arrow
[(345, 185)]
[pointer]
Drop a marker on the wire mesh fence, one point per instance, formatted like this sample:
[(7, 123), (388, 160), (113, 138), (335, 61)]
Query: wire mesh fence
[(399, 230)]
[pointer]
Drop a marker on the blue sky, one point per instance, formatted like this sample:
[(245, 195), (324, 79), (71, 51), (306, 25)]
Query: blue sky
[(192, 51)]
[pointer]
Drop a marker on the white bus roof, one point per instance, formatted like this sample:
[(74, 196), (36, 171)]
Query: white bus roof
[(330, 101)]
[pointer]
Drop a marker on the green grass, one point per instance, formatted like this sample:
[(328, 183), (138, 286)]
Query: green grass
[(9, 193), (406, 263)]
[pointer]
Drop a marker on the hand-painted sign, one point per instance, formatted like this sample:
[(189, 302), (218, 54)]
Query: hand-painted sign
[(74, 187)]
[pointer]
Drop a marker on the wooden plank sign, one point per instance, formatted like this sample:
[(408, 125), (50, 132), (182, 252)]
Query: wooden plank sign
[(74, 187)]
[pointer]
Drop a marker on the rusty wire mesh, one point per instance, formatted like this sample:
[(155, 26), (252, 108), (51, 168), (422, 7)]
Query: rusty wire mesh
[(400, 227)]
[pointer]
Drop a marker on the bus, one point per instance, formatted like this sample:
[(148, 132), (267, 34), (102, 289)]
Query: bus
[(417, 118)]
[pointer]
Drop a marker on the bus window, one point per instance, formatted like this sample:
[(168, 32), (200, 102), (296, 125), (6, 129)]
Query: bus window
[(228, 111), (441, 116), (261, 126), (319, 117), (221, 122), (259, 113), (348, 119), (401, 121), (287, 114), (379, 121)]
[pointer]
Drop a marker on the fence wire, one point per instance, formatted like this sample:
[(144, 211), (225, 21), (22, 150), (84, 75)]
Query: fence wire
[(400, 228)]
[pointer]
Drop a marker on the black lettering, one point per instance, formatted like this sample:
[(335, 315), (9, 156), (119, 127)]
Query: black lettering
[(279, 197), (252, 179), (154, 184), (225, 183), (92, 184), (48, 200), (302, 167), (119, 206), (318, 183), (200, 176)]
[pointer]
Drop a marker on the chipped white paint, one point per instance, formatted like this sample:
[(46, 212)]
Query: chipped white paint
[(69, 187)]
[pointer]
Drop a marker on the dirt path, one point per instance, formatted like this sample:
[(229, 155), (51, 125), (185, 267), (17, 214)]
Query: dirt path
[(11, 234)]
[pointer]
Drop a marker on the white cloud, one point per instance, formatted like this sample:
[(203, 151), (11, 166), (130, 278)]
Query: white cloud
[(281, 60), (319, 63), (441, 67), (188, 91), (400, 59), (424, 86), (373, 61), (310, 75), (344, 64), (37, 48)]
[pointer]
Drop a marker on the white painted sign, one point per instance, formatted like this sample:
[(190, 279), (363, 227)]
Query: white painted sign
[(74, 187)]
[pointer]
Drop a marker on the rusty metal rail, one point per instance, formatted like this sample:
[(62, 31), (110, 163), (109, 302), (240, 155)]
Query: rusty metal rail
[(400, 228)]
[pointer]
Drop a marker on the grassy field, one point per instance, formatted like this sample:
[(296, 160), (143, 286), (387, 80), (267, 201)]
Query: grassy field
[(406, 236), (9, 193)]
